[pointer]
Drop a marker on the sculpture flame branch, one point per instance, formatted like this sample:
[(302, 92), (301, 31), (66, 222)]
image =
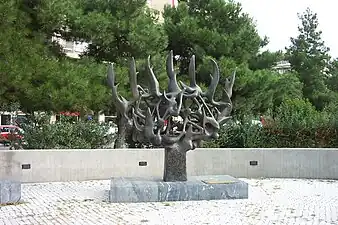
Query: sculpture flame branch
[(177, 119), (155, 114)]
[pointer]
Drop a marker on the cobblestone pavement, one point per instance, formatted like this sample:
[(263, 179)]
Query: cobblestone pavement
[(271, 202)]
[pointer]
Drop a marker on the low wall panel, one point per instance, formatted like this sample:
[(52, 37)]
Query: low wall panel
[(79, 165)]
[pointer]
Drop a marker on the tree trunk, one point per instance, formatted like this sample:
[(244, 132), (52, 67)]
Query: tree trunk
[(120, 141), (175, 166)]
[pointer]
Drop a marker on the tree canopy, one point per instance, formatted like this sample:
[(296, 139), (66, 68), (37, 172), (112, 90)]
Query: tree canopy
[(35, 71), (210, 28), (310, 58), (36, 74)]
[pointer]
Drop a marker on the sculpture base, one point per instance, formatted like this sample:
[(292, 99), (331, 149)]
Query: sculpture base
[(10, 192), (175, 165), (196, 188)]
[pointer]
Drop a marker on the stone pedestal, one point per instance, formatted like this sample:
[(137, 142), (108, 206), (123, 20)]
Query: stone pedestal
[(10, 178), (10, 192), (196, 188), (175, 165)]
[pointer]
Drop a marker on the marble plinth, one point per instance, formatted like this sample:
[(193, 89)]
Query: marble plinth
[(196, 188), (10, 192)]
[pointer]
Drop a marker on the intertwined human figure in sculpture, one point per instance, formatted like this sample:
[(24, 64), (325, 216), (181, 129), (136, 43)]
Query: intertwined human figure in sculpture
[(178, 118)]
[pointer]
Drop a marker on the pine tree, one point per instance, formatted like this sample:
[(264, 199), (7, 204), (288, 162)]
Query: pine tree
[(309, 57)]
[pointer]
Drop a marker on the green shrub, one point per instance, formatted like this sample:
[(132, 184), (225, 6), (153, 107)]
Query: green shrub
[(39, 134), (296, 124), (240, 134)]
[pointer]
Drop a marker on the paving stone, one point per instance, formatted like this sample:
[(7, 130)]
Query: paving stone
[(271, 201)]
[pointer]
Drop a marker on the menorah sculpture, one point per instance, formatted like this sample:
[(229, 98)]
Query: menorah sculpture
[(177, 119)]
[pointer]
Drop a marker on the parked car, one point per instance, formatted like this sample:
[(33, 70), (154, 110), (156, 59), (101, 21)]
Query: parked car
[(9, 133)]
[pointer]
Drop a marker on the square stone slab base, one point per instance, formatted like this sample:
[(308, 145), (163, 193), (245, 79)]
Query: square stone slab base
[(196, 188), (10, 192)]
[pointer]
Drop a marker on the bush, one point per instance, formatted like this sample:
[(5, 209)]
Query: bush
[(240, 134), (297, 124), (39, 134)]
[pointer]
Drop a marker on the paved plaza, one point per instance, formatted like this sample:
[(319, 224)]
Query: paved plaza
[(271, 201)]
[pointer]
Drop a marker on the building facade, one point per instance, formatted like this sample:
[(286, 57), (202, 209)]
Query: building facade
[(159, 4), (72, 49), (282, 67), (9, 118)]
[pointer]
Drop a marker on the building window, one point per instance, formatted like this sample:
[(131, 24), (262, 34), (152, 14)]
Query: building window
[(5, 119)]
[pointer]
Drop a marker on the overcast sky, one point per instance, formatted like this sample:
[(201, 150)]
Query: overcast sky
[(278, 20)]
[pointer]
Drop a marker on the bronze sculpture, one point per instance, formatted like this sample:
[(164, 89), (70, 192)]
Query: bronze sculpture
[(177, 119)]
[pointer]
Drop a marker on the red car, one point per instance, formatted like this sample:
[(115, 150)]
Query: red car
[(7, 132)]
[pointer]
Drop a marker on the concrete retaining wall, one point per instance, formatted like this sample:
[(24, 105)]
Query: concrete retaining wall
[(79, 165)]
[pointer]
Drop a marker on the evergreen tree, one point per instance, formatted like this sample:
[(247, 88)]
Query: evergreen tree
[(309, 57), (215, 28)]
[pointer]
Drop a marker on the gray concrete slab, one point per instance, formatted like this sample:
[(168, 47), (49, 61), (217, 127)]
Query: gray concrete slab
[(10, 192), (196, 188)]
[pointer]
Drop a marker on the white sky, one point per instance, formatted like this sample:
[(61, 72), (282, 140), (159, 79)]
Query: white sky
[(278, 20)]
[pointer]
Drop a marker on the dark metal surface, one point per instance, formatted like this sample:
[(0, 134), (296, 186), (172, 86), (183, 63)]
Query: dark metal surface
[(176, 119)]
